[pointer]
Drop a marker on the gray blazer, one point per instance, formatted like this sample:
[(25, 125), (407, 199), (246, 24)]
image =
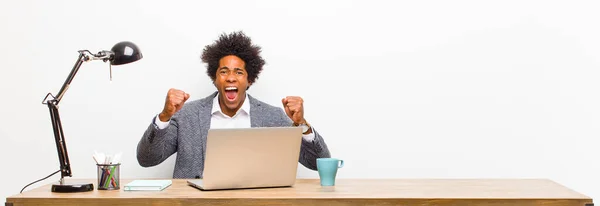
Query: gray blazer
[(188, 129)]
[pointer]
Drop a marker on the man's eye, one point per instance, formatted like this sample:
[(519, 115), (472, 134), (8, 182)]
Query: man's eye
[(240, 73)]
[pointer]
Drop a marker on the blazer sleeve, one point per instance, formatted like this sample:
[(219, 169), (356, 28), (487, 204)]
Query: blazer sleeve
[(309, 150), (156, 144)]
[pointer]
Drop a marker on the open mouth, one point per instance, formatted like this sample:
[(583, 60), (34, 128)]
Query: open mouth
[(231, 93)]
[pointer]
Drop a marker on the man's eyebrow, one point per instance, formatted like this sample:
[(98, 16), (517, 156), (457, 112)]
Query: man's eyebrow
[(225, 67)]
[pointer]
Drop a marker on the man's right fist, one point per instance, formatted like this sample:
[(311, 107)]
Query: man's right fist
[(175, 100)]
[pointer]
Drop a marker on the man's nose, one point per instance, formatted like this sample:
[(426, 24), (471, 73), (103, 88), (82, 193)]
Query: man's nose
[(231, 77)]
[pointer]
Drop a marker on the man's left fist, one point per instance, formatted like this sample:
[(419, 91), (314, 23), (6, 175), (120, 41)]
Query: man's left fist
[(294, 109)]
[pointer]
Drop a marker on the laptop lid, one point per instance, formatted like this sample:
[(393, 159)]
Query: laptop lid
[(251, 157)]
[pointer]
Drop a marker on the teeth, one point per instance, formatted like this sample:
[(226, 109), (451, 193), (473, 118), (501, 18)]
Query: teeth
[(230, 88)]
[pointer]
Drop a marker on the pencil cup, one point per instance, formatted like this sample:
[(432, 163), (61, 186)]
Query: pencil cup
[(108, 176)]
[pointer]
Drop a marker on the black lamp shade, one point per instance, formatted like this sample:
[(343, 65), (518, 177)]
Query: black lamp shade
[(125, 52)]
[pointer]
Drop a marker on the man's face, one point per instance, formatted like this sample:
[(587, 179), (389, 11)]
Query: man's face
[(231, 82)]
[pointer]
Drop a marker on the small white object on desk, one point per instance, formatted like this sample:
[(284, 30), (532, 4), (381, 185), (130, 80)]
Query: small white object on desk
[(147, 185), (101, 158)]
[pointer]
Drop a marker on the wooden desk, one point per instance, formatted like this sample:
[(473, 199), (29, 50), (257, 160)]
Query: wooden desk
[(346, 192)]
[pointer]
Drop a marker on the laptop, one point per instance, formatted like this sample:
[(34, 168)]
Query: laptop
[(250, 158)]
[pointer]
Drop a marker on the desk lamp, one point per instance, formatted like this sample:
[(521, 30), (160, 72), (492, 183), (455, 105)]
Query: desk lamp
[(122, 53)]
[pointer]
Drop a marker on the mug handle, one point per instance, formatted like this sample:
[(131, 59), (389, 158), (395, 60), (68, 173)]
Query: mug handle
[(341, 164)]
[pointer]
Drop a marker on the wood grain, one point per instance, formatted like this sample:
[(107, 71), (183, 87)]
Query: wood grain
[(346, 192)]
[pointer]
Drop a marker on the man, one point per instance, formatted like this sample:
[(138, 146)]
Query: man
[(233, 65)]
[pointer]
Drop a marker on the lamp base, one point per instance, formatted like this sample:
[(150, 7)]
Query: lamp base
[(72, 187)]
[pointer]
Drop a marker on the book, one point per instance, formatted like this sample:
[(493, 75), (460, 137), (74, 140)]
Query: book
[(147, 185)]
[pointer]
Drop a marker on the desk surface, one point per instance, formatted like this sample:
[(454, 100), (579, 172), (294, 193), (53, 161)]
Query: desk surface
[(346, 192)]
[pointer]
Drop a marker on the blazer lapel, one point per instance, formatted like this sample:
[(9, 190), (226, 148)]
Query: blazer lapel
[(204, 115), (256, 117)]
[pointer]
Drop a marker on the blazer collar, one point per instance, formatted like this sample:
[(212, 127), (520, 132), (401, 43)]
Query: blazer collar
[(256, 116)]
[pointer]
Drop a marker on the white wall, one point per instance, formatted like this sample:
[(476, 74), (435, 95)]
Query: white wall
[(409, 89)]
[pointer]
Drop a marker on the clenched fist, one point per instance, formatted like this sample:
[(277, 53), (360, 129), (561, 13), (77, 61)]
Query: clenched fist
[(175, 100), (294, 109)]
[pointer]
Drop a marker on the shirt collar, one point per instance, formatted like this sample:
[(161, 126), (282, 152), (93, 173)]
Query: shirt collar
[(216, 107)]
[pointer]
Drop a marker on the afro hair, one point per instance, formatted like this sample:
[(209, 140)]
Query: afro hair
[(238, 44)]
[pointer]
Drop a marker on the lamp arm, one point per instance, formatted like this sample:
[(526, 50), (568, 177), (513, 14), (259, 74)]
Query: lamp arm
[(67, 83), (84, 55), (61, 147), (59, 138)]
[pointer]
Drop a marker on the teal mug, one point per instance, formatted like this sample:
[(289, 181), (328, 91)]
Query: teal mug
[(327, 168)]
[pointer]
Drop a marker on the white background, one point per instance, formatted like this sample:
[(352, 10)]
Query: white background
[(398, 89)]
